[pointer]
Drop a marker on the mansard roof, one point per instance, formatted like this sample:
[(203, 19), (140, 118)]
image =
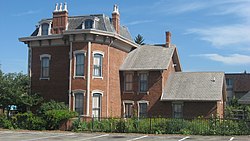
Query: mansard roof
[(103, 23)]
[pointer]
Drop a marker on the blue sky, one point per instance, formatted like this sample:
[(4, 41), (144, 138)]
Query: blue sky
[(210, 35)]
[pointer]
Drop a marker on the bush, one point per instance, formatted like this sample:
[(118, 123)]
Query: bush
[(5, 123), (52, 105), (55, 117), (29, 121)]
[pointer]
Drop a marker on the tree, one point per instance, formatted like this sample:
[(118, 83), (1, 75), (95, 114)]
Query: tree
[(139, 40), (14, 90)]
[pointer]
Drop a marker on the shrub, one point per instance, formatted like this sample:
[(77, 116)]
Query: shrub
[(52, 105), (5, 123), (55, 117), (29, 121)]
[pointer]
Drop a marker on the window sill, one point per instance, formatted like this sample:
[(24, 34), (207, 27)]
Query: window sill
[(128, 92), (147, 92), (79, 77), (97, 77), (41, 78)]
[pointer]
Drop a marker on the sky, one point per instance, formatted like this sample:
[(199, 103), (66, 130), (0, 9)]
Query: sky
[(210, 35)]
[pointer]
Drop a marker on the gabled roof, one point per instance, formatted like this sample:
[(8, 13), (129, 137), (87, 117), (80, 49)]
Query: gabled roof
[(103, 23), (148, 57), (194, 86), (245, 99), (241, 81)]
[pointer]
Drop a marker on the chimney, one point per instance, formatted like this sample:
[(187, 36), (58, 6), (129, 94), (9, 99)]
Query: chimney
[(168, 39), (60, 19), (116, 19)]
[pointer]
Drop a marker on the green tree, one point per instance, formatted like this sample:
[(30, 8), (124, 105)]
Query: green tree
[(139, 40), (15, 90)]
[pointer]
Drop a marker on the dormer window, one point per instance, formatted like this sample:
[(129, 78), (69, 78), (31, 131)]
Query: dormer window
[(45, 29), (88, 24)]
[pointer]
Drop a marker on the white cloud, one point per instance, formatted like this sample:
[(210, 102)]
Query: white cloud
[(233, 59), (26, 13), (224, 35), (139, 22)]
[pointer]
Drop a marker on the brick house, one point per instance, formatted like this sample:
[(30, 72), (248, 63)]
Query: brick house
[(238, 86), (92, 64)]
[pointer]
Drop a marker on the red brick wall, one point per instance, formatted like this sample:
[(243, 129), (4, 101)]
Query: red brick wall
[(57, 87), (195, 109), (109, 85)]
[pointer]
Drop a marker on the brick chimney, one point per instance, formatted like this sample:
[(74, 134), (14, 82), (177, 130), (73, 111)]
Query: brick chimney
[(60, 19), (168, 39), (116, 18)]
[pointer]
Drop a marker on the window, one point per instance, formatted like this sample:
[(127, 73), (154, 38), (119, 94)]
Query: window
[(88, 24), (128, 81), (177, 110), (143, 82), (96, 108), (79, 103), (79, 65), (128, 110), (45, 61), (98, 65), (229, 82), (143, 109), (45, 29)]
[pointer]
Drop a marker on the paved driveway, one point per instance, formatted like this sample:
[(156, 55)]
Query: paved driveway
[(71, 136)]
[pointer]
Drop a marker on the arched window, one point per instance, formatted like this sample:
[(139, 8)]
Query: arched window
[(45, 62), (88, 24), (98, 64), (96, 105), (45, 29)]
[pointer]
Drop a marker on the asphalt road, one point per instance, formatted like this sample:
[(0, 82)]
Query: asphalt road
[(7, 135)]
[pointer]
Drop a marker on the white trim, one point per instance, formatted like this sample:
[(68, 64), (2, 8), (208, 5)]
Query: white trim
[(40, 27), (70, 72), (45, 55), (74, 99), (79, 91), (88, 77), (97, 92), (123, 104), (79, 52), (98, 52), (93, 54)]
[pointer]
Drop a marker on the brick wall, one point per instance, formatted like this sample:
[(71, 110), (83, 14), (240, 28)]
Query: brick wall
[(57, 86)]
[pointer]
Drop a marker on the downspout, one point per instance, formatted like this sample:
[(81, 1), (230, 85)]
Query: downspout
[(70, 73), (88, 77)]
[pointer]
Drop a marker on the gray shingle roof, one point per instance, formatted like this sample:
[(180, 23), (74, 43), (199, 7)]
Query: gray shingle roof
[(194, 86), (245, 99), (104, 24), (148, 57)]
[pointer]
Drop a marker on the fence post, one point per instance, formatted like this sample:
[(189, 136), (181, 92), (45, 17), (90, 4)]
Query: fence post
[(150, 124), (92, 123)]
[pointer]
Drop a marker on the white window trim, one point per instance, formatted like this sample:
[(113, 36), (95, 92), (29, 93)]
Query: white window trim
[(138, 105), (97, 92), (78, 52), (126, 102), (101, 93), (95, 19), (73, 95), (40, 27), (41, 57), (140, 72), (93, 54), (124, 85)]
